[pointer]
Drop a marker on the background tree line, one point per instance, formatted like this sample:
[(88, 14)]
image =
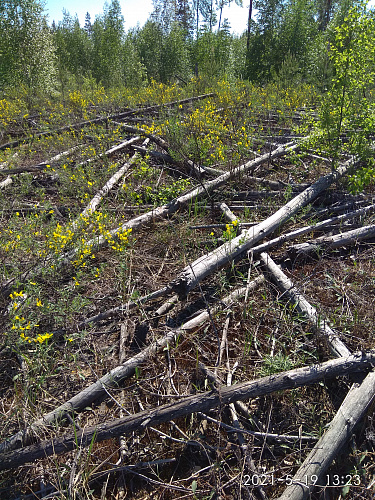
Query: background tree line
[(286, 40)]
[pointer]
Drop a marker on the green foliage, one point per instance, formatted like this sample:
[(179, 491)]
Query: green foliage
[(263, 55), (107, 36), (211, 53), (275, 364), (149, 43), (230, 231), (296, 32), (26, 47), (163, 54), (288, 41), (346, 117), (74, 47), (175, 56), (169, 12), (134, 70)]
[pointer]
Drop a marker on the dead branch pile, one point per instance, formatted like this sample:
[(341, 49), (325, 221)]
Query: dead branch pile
[(193, 364)]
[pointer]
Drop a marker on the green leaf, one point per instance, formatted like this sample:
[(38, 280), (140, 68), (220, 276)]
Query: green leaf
[(194, 485), (345, 490)]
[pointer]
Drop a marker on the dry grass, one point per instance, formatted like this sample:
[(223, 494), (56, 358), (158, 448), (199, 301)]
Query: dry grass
[(192, 457)]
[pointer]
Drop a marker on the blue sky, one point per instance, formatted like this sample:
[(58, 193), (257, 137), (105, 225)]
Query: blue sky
[(137, 11), (134, 11)]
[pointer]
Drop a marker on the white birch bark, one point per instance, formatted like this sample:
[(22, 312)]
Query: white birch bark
[(320, 325), (234, 249)]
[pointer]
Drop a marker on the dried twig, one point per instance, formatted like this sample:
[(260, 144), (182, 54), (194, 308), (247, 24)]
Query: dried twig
[(112, 379), (191, 404)]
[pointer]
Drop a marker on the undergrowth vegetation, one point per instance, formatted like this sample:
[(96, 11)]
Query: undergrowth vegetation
[(61, 265)]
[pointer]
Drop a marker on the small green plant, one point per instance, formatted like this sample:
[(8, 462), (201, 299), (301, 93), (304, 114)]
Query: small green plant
[(275, 364), (230, 230)]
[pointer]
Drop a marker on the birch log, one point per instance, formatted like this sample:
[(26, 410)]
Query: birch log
[(124, 307), (200, 402), (91, 207), (234, 249), (348, 238), (156, 107), (110, 152), (338, 348), (161, 212), (154, 138), (41, 166), (312, 471), (309, 229), (6, 182), (112, 379)]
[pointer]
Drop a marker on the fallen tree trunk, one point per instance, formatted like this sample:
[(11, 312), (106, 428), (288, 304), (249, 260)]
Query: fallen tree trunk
[(191, 404), (234, 249), (111, 151), (154, 138), (278, 185), (337, 347), (41, 166), (91, 207), (309, 229), (156, 107), (349, 413), (198, 171), (166, 158), (112, 379), (76, 126), (6, 182), (311, 473), (318, 245), (161, 212), (124, 307)]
